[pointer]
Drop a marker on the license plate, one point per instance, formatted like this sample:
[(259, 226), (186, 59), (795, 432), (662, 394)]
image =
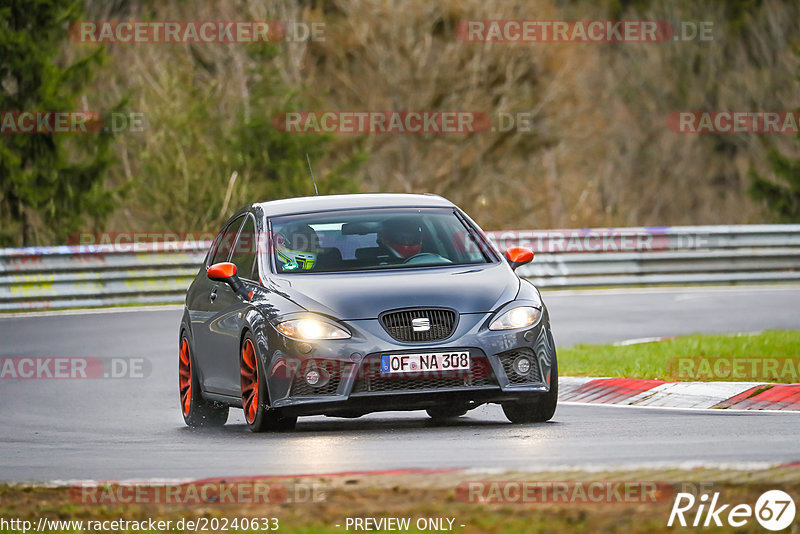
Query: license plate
[(435, 361)]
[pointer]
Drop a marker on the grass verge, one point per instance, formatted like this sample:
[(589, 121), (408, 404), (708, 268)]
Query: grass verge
[(437, 496), (770, 356)]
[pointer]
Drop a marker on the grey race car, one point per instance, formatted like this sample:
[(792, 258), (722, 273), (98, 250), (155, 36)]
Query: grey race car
[(350, 304)]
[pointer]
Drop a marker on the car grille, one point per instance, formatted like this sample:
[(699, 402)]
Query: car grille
[(371, 380), (399, 324), (507, 360)]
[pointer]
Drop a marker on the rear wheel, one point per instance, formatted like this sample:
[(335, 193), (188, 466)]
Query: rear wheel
[(196, 410), (537, 410), (255, 401), (439, 413)]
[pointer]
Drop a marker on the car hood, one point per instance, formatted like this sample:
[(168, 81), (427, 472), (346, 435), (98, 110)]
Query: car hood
[(365, 295)]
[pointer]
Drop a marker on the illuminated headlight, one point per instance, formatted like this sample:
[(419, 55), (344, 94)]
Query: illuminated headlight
[(518, 317), (311, 329)]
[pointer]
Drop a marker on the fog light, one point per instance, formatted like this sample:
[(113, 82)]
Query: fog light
[(313, 378), (522, 366)]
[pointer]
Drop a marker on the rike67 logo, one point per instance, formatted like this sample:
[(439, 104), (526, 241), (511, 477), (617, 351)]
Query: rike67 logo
[(774, 510)]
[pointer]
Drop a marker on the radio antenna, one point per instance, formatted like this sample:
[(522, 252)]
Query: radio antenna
[(308, 159)]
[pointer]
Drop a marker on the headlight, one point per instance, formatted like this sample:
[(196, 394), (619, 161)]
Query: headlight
[(311, 329), (518, 317)]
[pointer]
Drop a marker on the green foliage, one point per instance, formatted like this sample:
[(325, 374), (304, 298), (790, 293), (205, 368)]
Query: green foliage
[(783, 198), (49, 183), (274, 160), (596, 152), (206, 153)]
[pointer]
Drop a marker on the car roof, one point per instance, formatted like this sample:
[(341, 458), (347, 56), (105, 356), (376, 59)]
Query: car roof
[(289, 206)]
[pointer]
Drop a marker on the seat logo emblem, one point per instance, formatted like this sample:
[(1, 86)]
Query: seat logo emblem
[(420, 324)]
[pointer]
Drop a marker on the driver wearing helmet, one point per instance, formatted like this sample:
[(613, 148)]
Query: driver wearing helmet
[(401, 237), (296, 248)]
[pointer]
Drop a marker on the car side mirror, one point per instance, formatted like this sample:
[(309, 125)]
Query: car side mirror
[(518, 256), (226, 272)]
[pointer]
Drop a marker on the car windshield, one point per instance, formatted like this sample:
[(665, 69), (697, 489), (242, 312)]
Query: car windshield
[(364, 240)]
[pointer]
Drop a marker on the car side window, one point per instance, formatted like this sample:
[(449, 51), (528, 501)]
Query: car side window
[(244, 253), (212, 250), (225, 241)]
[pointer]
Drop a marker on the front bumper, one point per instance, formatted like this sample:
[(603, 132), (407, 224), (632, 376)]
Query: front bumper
[(351, 383)]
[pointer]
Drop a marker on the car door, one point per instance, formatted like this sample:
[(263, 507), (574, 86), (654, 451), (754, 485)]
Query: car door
[(216, 330), (230, 309)]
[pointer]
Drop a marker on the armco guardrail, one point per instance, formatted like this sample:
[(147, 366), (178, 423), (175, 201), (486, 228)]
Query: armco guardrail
[(665, 255), (96, 275)]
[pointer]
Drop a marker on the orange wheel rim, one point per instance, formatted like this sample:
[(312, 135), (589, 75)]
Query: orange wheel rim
[(249, 369), (185, 376)]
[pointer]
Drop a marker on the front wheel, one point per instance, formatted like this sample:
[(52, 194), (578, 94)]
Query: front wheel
[(196, 410), (255, 401), (538, 410)]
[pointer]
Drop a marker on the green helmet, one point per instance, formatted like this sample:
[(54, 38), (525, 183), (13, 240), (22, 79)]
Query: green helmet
[(296, 247)]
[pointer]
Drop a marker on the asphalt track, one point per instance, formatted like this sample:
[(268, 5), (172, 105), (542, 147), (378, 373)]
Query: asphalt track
[(120, 429)]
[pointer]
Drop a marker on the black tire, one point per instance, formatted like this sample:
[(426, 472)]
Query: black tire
[(439, 413), (537, 410), (196, 410), (257, 413)]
